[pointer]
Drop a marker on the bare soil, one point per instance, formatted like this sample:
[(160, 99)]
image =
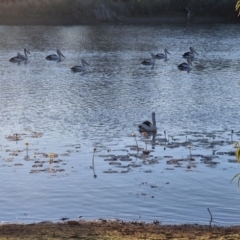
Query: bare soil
[(106, 230)]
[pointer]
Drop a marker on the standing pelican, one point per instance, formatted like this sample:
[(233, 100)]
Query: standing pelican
[(185, 66), (55, 57), (148, 126), (81, 68), (20, 57), (150, 61), (190, 54), (162, 55)]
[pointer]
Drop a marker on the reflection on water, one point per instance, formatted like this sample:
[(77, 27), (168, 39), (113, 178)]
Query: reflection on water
[(72, 131)]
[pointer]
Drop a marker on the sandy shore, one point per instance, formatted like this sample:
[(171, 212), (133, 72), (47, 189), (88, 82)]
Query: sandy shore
[(106, 230)]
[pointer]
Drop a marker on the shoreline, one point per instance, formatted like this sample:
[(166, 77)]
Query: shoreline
[(130, 20), (108, 229)]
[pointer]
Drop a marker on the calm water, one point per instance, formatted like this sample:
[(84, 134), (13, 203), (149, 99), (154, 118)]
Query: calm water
[(57, 111)]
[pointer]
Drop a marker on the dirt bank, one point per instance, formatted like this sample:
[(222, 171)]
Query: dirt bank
[(106, 230)]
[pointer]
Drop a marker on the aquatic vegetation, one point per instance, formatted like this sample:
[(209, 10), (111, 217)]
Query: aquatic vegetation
[(134, 135), (237, 153), (145, 151), (94, 174), (27, 144), (15, 137), (51, 156)]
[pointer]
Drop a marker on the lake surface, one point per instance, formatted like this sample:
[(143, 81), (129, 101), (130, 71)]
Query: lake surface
[(69, 114)]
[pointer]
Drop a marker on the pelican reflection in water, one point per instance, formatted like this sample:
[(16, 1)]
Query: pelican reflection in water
[(150, 61), (80, 68), (162, 55), (55, 57), (20, 57)]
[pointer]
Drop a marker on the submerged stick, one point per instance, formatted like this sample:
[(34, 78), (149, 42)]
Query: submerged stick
[(94, 174), (210, 222)]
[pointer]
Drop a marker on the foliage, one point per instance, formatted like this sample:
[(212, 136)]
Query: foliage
[(237, 7), (237, 153)]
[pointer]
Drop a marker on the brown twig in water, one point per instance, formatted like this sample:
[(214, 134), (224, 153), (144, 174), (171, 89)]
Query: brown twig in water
[(210, 222)]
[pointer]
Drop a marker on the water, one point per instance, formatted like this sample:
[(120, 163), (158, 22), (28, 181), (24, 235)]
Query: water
[(69, 114)]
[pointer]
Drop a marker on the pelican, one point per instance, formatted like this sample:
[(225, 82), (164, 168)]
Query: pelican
[(20, 57), (185, 66), (23, 57), (55, 57), (148, 126), (81, 68), (150, 61), (190, 54), (162, 55)]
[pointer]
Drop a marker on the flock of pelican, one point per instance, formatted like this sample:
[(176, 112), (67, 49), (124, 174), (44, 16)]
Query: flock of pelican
[(185, 66), (146, 125), (53, 57)]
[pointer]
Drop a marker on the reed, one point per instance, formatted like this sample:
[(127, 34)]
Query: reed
[(27, 145), (135, 137), (93, 167)]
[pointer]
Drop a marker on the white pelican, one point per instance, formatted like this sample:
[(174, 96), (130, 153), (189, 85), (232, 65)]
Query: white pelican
[(55, 57), (190, 54), (81, 68), (185, 66), (148, 126), (162, 55), (20, 57), (149, 61)]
